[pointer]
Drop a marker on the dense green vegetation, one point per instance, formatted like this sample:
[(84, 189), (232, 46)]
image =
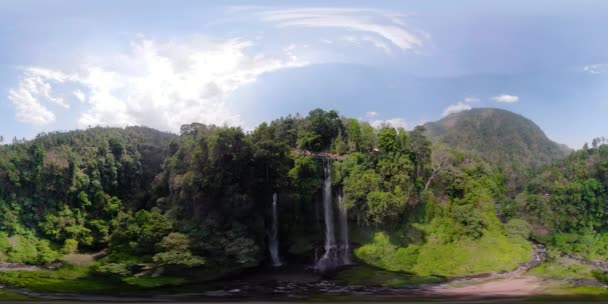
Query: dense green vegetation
[(154, 204), (566, 202)]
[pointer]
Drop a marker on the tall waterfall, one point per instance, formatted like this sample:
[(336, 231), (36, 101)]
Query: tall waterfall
[(273, 238), (333, 256), (344, 244)]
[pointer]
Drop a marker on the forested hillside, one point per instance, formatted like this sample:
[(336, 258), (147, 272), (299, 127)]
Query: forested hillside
[(154, 203), (501, 136), (567, 202), (508, 140), (65, 191)]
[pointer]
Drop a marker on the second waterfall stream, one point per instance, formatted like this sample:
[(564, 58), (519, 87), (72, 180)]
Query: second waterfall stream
[(335, 255)]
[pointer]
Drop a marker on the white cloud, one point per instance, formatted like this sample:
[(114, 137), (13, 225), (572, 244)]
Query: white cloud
[(460, 106), (80, 95), (28, 109), (371, 114), (383, 24), (506, 98), (158, 84), (596, 68), (34, 94), (456, 107), (393, 122)]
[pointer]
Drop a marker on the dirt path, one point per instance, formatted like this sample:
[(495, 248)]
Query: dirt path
[(508, 286)]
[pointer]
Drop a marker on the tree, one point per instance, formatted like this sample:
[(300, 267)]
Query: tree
[(387, 140), (353, 130), (368, 137), (175, 250), (420, 147), (439, 161)]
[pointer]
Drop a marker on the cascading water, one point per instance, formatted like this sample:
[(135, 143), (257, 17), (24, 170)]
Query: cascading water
[(334, 256), (329, 260), (344, 246), (273, 238)]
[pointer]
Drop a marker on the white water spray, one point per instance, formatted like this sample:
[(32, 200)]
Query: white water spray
[(334, 256), (273, 239)]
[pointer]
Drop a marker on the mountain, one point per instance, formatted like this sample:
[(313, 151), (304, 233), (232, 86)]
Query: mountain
[(499, 136)]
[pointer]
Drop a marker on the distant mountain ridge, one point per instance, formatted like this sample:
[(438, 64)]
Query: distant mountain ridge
[(497, 135)]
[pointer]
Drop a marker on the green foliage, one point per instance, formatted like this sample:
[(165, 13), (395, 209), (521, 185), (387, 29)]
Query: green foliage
[(70, 246), (305, 176), (139, 234), (67, 279), (492, 252), (601, 276), (383, 205), (23, 249), (387, 139), (518, 228), (309, 140), (566, 202), (176, 251), (203, 198), (382, 253), (114, 269), (51, 186), (563, 268), (499, 136), (586, 244), (46, 255)]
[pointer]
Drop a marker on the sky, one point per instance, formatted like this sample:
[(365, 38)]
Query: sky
[(75, 64)]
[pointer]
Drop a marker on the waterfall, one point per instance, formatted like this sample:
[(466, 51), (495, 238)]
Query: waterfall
[(273, 238), (345, 246), (329, 260)]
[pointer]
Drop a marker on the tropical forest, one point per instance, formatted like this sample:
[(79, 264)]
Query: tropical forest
[(316, 206)]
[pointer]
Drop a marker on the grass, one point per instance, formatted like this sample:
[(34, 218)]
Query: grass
[(493, 252), (67, 279), (371, 276), (563, 268), (151, 282), (581, 290), (9, 296)]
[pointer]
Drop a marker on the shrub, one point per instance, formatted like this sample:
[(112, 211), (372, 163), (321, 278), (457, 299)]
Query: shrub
[(23, 249), (114, 269), (46, 255), (70, 246), (518, 228)]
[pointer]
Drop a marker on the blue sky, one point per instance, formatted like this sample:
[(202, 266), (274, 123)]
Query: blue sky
[(74, 64)]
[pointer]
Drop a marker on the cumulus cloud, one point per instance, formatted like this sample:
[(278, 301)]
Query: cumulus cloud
[(460, 106), (158, 84), (34, 94), (393, 122), (455, 108), (596, 68), (382, 24), (506, 98)]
